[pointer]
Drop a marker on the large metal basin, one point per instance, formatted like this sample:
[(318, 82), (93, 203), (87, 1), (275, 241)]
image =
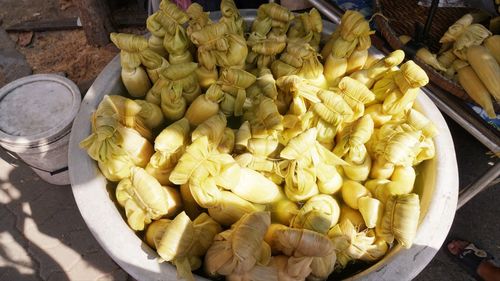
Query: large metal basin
[(437, 184)]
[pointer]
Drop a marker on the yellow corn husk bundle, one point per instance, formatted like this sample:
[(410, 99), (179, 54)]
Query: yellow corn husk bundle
[(328, 116), (151, 114), (352, 138), (144, 199), (173, 105), (226, 144), (493, 45), (429, 58), (322, 267), (272, 18), (263, 117), (183, 242), (354, 216), (233, 83), (377, 114), (231, 208), (346, 50), (473, 35), (306, 155), (175, 40), (213, 128), (447, 58), (408, 80), (190, 206), (397, 144), (356, 96), (283, 211), (155, 41), (231, 17), (134, 77), (475, 88), (264, 85), (154, 63), (401, 182), (419, 122), (125, 111), (241, 250), (350, 244), (329, 179), (115, 147), (183, 75), (385, 86), (352, 191), (300, 59), (304, 252), (217, 46), (378, 69), (205, 105), (307, 28), (319, 213), (400, 219), (197, 18), (456, 29), (486, 67), (303, 93), (169, 146), (263, 50)]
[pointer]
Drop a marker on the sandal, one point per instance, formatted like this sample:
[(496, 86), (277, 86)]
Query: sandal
[(469, 255)]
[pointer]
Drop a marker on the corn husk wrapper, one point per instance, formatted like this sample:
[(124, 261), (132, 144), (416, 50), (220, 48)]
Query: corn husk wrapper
[(263, 50), (226, 145), (377, 115), (473, 35), (239, 249), (154, 63), (319, 213), (144, 199), (456, 29), (272, 18), (182, 241), (307, 28), (353, 36), (134, 77), (291, 268), (184, 76), (352, 245), (354, 216), (298, 243), (376, 71), (231, 17), (385, 86), (169, 146), (231, 208), (116, 168), (371, 209), (213, 128), (151, 114), (303, 93), (173, 104), (397, 144), (356, 95), (300, 59), (263, 117), (126, 111), (358, 172), (400, 219), (283, 211), (155, 41), (197, 18), (233, 83), (352, 191), (111, 141), (205, 106), (351, 140), (189, 204), (401, 182), (329, 179), (322, 267), (172, 18), (256, 188), (410, 76)]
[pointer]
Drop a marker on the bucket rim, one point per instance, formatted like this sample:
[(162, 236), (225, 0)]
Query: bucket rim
[(53, 133)]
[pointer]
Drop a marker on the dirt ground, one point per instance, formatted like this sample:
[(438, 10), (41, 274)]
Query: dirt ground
[(64, 51)]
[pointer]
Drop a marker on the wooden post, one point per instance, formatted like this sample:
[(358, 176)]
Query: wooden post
[(96, 21)]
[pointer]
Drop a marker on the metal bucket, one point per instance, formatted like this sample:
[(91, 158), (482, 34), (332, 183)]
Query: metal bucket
[(36, 114)]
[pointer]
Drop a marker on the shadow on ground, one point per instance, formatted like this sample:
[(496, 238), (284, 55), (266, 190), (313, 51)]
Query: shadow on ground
[(42, 234)]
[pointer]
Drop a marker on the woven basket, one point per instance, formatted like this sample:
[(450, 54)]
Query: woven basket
[(400, 18)]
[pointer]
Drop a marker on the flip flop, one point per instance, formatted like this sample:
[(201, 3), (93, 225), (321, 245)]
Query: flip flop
[(470, 257)]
